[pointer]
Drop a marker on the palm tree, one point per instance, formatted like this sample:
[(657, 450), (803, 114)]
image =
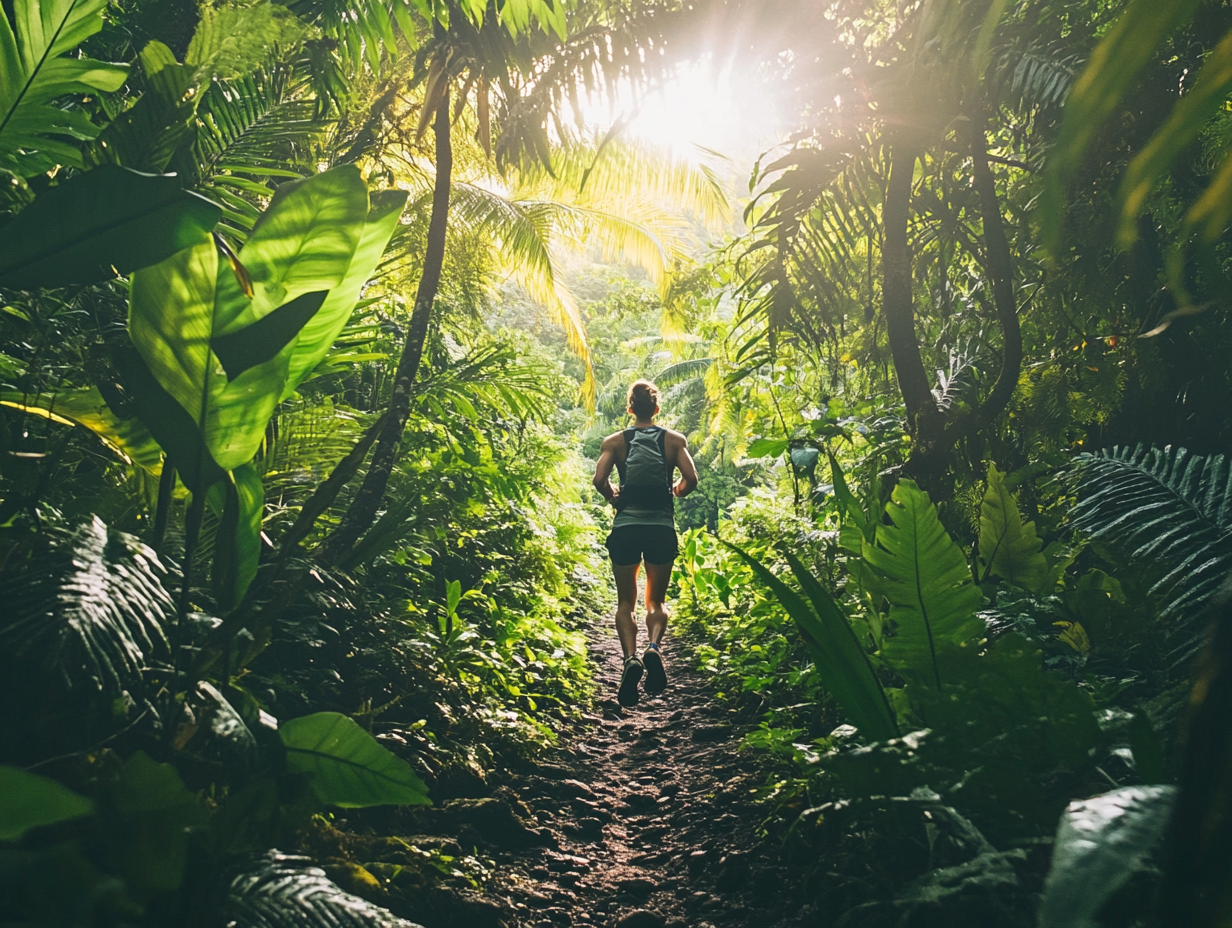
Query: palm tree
[(557, 193)]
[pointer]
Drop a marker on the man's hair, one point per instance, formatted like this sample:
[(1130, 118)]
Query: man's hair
[(643, 399)]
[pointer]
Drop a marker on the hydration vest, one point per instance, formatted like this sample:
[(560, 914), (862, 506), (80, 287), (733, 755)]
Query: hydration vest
[(645, 474)]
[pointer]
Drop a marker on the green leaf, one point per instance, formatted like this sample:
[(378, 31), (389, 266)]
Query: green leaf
[(128, 439), (279, 890), (303, 243), (238, 548), (1100, 843), (767, 447), (99, 223), (1188, 118), (146, 135), (851, 508), (28, 800), (33, 73), (264, 339), (168, 421), (153, 813), (1098, 91), (190, 306), (927, 581), (1168, 513), (453, 596), (89, 614), (346, 766), (844, 667), (322, 330), (1009, 548)]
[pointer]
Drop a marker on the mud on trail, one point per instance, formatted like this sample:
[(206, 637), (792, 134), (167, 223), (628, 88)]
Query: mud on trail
[(639, 818)]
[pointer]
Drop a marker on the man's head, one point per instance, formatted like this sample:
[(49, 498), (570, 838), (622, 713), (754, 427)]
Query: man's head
[(644, 399)]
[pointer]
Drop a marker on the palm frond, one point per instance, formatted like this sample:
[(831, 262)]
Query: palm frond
[(89, 612), (952, 382), (1168, 512), (285, 891), (600, 173), (248, 130), (1040, 76), (523, 232), (682, 371)]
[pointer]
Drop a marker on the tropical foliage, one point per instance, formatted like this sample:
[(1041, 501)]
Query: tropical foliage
[(313, 317)]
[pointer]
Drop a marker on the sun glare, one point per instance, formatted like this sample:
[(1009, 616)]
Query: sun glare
[(699, 106)]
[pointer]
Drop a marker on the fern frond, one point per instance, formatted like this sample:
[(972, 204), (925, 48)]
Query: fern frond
[(90, 612), (928, 583), (1168, 512), (285, 891)]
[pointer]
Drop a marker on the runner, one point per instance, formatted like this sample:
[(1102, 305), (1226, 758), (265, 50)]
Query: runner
[(647, 457)]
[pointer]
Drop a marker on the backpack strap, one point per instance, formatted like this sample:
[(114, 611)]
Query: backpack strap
[(661, 440)]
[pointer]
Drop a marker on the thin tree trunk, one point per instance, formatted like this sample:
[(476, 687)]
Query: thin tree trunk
[(362, 512), (1000, 268), (923, 416)]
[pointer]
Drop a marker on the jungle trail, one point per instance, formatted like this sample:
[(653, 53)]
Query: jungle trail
[(318, 321)]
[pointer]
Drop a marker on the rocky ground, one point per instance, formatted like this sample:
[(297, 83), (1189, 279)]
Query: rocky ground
[(640, 818)]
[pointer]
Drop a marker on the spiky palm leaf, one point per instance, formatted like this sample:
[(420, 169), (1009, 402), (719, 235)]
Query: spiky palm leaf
[(1168, 512), (682, 372), (247, 130), (285, 891), (90, 612)]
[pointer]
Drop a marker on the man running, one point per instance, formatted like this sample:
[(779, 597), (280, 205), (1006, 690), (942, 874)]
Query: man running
[(647, 457)]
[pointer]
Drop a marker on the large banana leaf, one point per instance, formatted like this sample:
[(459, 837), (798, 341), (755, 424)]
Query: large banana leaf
[(840, 660), (1009, 547), (302, 244), (322, 330), (225, 357), (927, 581), (33, 73), (98, 223)]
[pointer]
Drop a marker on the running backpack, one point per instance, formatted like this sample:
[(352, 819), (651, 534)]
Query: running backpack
[(645, 475)]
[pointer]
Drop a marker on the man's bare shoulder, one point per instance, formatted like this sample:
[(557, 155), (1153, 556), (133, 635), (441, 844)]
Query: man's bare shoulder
[(613, 441), (675, 436)]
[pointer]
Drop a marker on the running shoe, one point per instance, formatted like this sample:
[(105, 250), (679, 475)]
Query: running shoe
[(627, 696), (656, 672)]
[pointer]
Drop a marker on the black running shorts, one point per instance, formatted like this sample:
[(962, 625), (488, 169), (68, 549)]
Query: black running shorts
[(631, 544)]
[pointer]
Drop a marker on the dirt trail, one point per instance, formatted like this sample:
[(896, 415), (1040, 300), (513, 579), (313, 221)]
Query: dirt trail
[(639, 818), (653, 813)]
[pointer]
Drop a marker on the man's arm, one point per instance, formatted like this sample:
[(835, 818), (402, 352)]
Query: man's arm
[(603, 472), (688, 471)]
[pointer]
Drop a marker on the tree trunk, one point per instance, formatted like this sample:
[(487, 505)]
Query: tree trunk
[(362, 512), (1000, 267), (924, 418)]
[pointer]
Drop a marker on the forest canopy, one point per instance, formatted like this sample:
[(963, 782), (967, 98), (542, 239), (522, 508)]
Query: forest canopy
[(314, 317)]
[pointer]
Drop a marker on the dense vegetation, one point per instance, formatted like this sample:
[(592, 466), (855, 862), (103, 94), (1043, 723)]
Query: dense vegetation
[(315, 315)]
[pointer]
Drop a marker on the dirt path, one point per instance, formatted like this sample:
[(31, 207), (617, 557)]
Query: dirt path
[(640, 818), (653, 812)]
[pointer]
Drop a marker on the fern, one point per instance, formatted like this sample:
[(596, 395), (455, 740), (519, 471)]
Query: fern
[(927, 581), (283, 891), (91, 611), (1167, 511)]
